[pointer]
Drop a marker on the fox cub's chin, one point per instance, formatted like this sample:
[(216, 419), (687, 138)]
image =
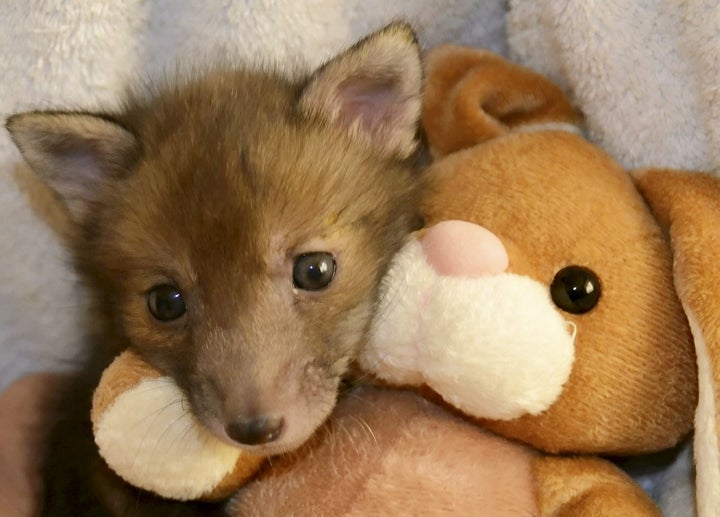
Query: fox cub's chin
[(233, 228)]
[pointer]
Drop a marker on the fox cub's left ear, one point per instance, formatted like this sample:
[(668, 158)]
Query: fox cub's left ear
[(74, 153), (373, 90)]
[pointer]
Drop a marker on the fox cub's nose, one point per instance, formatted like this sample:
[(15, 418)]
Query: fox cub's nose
[(255, 431)]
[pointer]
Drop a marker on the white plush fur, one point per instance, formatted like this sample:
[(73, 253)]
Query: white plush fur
[(159, 445), (548, 126), (494, 347)]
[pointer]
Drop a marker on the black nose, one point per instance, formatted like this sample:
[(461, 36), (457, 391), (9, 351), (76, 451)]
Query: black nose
[(255, 431)]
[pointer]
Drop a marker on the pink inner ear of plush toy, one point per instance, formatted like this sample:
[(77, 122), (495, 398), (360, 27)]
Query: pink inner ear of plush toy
[(464, 249)]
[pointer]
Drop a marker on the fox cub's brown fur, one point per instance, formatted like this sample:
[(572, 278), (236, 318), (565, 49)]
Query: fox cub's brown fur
[(232, 227)]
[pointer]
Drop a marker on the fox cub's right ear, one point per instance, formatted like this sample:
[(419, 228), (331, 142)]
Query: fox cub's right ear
[(74, 153), (372, 90)]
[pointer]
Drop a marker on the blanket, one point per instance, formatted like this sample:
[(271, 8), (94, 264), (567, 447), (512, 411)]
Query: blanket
[(645, 73)]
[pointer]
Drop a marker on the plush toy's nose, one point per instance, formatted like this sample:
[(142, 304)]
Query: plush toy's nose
[(460, 248)]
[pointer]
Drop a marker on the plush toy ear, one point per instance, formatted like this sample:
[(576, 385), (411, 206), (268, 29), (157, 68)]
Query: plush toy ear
[(473, 95), (74, 153), (372, 90), (688, 206)]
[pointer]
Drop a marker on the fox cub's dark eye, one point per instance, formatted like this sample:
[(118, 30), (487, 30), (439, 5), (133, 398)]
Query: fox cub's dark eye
[(575, 289), (313, 271), (165, 302)]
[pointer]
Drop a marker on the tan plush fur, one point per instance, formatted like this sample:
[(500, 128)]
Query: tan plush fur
[(460, 79), (587, 486), (127, 371), (559, 215)]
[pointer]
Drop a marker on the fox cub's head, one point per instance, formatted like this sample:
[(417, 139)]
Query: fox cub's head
[(234, 225)]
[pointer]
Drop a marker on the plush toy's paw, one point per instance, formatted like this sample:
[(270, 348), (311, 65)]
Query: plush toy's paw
[(568, 487), (148, 436)]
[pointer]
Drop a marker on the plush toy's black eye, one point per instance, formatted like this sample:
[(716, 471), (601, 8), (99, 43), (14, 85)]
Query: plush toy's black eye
[(165, 302), (313, 271), (575, 289)]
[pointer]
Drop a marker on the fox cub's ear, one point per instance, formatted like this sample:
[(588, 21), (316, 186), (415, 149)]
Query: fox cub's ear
[(373, 90), (74, 153)]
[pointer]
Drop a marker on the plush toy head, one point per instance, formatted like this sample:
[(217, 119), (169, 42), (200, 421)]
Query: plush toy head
[(539, 298)]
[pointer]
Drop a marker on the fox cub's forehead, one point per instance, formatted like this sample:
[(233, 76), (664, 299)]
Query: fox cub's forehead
[(239, 101), (248, 148)]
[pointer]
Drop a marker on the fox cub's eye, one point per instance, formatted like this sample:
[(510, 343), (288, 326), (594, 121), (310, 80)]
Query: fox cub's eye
[(313, 271), (575, 289), (165, 302)]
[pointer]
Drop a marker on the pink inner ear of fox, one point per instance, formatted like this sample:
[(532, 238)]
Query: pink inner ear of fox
[(368, 101), (464, 249)]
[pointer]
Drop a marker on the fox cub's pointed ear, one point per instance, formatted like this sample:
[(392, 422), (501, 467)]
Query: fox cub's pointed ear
[(74, 153), (373, 90)]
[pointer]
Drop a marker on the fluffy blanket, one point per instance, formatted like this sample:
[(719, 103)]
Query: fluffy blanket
[(645, 74)]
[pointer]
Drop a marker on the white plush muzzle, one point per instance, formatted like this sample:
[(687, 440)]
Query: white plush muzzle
[(494, 347)]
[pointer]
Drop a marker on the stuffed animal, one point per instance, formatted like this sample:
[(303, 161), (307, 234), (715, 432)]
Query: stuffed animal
[(537, 304), (539, 299)]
